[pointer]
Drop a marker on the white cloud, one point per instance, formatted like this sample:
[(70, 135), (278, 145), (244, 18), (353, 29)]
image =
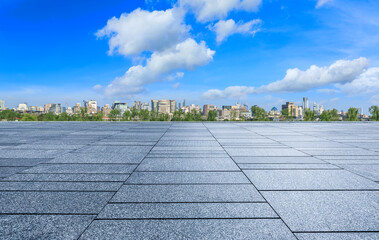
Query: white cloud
[(367, 82), (142, 30), (224, 29), (97, 87), (296, 80), (321, 3), (229, 92), (186, 55), (330, 91), (176, 85), (209, 10), (375, 99)]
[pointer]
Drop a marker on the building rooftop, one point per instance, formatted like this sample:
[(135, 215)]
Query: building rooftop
[(163, 180)]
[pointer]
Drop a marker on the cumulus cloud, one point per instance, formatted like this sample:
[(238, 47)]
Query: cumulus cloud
[(142, 30), (229, 92), (367, 82), (97, 87), (186, 55), (321, 3), (296, 80), (209, 10), (224, 29)]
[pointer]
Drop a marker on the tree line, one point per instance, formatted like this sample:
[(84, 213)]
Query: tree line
[(259, 114)]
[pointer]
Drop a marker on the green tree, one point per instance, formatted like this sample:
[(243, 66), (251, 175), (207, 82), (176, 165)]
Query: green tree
[(98, 116), (285, 114), (134, 112), (374, 110), (9, 115), (259, 114), (127, 116), (143, 115), (28, 117), (177, 115), (49, 117), (64, 117), (329, 115), (154, 116), (352, 114), (233, 115), (212, 115), (114, 114), (309, 115)]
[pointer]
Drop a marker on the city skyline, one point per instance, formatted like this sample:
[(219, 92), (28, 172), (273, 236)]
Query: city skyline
[(255, 52)]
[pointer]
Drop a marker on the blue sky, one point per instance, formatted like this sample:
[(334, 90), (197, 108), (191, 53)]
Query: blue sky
[(252, 51)]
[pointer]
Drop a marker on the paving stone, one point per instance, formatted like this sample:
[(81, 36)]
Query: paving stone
[(22, 162), (9, 171), (191, 154), (186, 210), (102, 157), (187, 193), (60, 186), (264, 152), (308, 180), (82, 168), (5, 153), (53, 202), (337, 151), (47, 147), (305, 211), (187, 164), (43, 226), (368, 171), (287, 166), (338, 236), (189, 229), (277, 160), (186, 178), (70, 177), (115, 149)]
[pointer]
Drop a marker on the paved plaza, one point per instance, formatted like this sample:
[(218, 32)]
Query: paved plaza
[(164, 180)]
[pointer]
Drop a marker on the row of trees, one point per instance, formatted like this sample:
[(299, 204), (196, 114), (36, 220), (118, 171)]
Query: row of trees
[(259, 114)]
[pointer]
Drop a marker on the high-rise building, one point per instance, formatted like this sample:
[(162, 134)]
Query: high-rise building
[(69, 111), (137, 105), (22, 107), (172, 106), (2, 105), (154, 105), (56, 108), (106, 109), (47, 107), (76, 108), (164, 106), (207, 108), (305, 103), (293, 110), (145, 106), (122, 107), (91, 107)]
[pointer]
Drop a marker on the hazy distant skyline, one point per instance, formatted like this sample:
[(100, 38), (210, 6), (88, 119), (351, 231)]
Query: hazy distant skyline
[(258, 52)]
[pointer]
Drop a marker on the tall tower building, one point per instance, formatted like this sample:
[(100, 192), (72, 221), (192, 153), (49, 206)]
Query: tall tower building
[(154, 105), (2, 105), (172, 106), (305, 103)]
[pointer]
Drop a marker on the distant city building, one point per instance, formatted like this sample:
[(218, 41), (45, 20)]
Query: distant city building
[(247, 115), (2, 105), (293, 110), (22, 107), (274, 114), (188, 109), (47, 107), (163, 106), (145, 106), (300, 112), (137, 105), (305, 103), (56, 108), (122, 107), (69, 111), (91, 107), (207, 108), (106, 109), (36, 109), (76, 108), (318, 108)]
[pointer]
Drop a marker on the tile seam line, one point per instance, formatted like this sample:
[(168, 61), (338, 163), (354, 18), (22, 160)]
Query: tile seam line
[(331, 140), (250, 180), (140, 124)]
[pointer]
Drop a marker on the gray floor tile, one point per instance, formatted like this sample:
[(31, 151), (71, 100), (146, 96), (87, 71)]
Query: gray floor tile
[(81, 168), (102, 157), (264, 152), (43, 226), (60, 186), (71, 177), (186, 210), (368, 171), (308, 180), (53, 202), (189, 229), (186, 178), (187, 193), (287, 166), (22, 162), (338, 236), (327, 210), (187, 164), (277, 160)]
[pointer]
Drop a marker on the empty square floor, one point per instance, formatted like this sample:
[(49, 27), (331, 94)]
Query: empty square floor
[(189, 180)]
